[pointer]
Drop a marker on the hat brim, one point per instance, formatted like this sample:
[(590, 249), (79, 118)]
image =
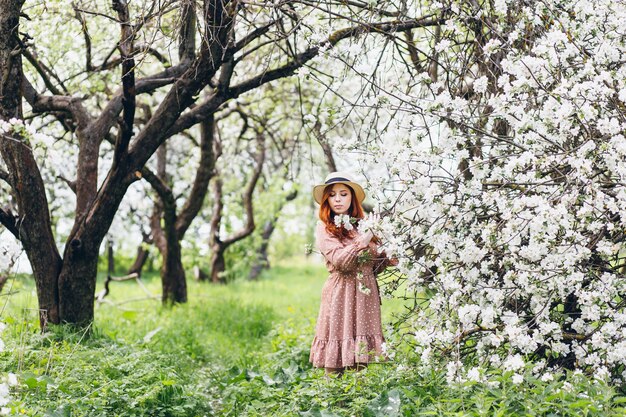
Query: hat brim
[(318, 190)]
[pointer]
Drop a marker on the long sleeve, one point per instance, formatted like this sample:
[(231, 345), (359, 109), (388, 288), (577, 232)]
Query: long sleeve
[(342, 258)]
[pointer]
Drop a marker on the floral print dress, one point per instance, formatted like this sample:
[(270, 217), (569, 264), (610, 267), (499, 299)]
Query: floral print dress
[(348, 329)]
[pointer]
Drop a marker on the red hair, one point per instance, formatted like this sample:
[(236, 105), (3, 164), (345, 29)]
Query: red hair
[(328, 216)]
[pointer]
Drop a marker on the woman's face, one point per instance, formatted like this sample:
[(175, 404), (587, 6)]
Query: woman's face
[(340, 198)]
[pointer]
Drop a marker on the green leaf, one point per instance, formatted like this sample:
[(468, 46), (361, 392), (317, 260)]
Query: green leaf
[(580, 404), (63, 411), (386, 404), (316, 412), (31, 382)]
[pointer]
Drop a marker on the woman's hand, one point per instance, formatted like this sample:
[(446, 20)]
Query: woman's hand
[(363, 241)]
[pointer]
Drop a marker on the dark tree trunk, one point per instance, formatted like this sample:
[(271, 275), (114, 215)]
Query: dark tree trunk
[(217, 244), (35, 231), (173, 278), (77, 285), (140, 260), (262, 261), (110, 259), (166, 239), (218, 264)]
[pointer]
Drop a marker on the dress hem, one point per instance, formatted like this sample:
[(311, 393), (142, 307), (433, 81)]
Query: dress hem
[(340, 353)]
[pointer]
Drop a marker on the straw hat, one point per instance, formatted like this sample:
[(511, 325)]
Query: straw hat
[(340, 177)]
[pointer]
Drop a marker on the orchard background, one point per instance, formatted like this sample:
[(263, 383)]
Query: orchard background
[(156, 162)]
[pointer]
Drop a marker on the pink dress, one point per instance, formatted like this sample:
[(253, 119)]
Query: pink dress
[(348, 327)]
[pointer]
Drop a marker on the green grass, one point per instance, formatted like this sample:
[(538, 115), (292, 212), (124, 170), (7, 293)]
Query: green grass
[(241, 350)]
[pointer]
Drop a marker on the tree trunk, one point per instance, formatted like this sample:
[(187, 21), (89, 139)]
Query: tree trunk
[(77, 285), (218, 264), (35, 231), (110, 259), (140, 260), (172, 273), (217, 244), (3, 280), (166, 238), (262, 262)]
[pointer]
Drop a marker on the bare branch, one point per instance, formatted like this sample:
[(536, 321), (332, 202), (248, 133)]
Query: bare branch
[(302, 58), (78, 14), (257, 33), (42, 104), (247, 196), (161, 188), (128, 81), (43, 71), (145, 85), (328, 151), (187, 42), (204, 174), (70, 183)]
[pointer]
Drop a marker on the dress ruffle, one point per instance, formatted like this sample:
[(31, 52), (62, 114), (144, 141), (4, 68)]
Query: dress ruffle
[(346, 352)]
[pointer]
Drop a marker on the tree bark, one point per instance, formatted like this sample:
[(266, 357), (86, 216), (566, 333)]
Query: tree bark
[(218, 263), (66, 286), (216, 243), (166, 239), (3, 280), (173, 282), (77, 284), (140, 259), (34, 230), (262, 261), (110, 260)]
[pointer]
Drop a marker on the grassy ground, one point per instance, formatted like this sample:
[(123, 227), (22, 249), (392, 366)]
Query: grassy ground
[(239, 350)]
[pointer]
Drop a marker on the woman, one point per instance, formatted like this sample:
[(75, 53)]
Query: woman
[(348, 333)]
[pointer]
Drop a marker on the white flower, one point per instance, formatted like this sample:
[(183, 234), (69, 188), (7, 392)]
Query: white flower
[(491, 46), (364, 289), (480, 84), (387, 351), (343, 220), (4, 394), (473, 375), (442, 45), (517, 379), (513, 363), (501, 6)]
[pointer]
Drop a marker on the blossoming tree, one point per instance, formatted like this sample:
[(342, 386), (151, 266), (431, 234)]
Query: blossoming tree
[(508, 185), (242, 47)]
